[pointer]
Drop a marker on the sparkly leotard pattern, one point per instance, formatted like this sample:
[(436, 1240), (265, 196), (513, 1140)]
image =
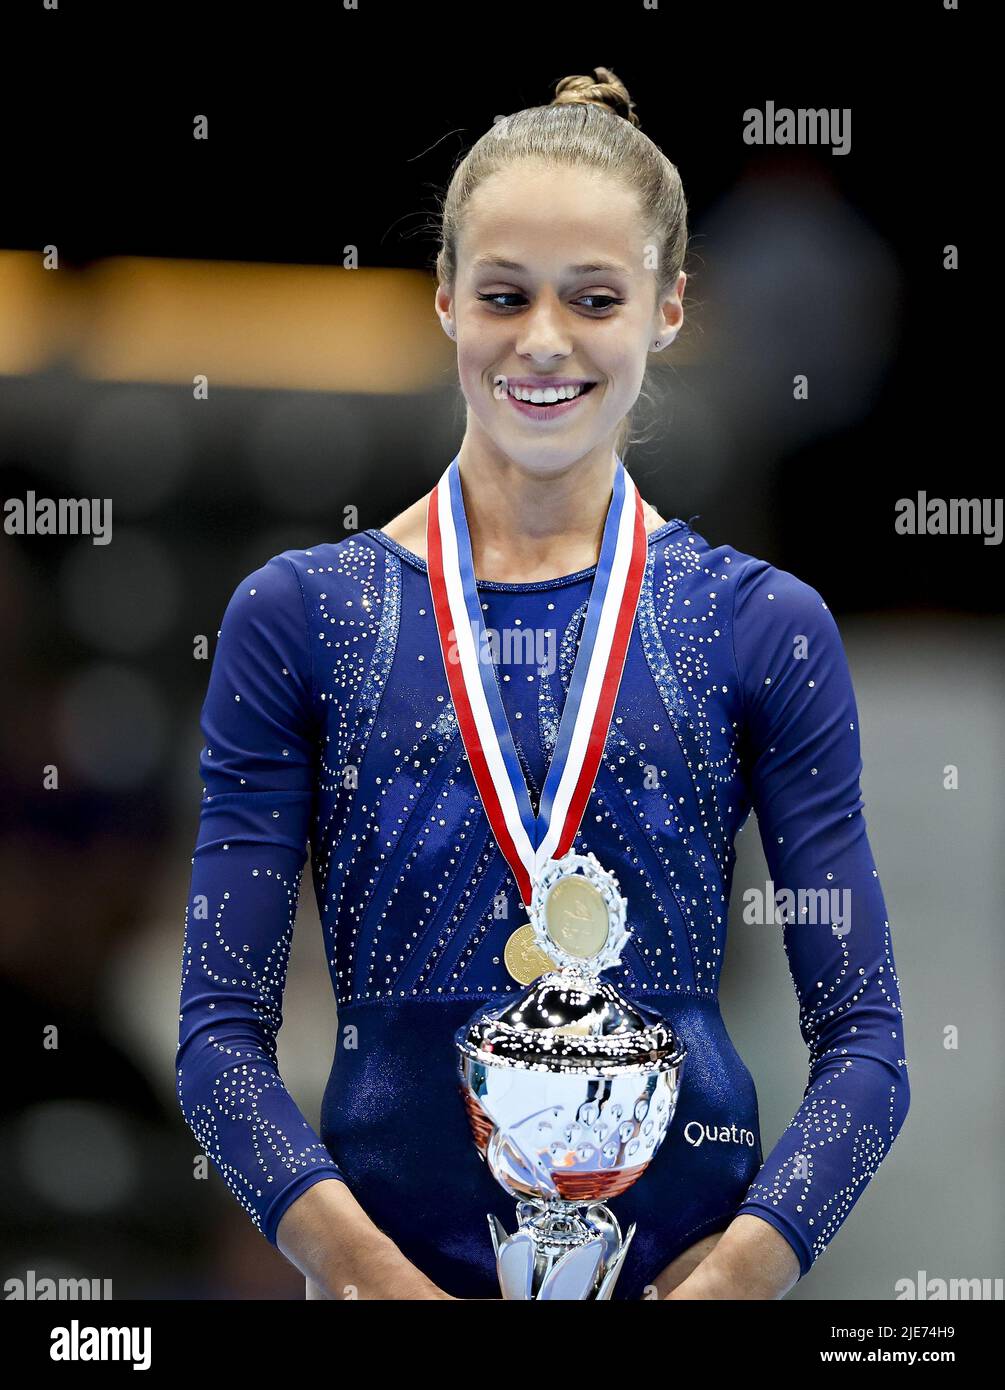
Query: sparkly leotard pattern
[(329, 727)]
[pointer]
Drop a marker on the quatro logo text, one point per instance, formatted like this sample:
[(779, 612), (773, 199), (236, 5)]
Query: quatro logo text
[(695, 1133)]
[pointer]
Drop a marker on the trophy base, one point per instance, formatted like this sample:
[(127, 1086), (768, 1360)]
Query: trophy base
[(560, 1251)]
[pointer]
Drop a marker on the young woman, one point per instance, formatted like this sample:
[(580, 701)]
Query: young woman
[(329, 720)]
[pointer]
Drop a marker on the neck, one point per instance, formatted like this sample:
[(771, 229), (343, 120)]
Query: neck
[(525, 527)]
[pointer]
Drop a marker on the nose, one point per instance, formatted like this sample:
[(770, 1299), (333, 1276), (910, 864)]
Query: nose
[(543, 332)]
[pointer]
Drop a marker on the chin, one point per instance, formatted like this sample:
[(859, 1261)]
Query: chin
[(546, 456)]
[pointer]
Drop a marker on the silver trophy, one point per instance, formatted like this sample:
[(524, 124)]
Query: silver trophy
[(569, 1090)]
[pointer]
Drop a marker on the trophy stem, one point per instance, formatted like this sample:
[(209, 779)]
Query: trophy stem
[(559, 1251)]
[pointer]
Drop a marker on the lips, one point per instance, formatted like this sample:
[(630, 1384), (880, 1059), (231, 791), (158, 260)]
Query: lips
[(555, 409)]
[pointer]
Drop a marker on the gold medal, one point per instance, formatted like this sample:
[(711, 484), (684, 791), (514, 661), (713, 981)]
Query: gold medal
[(524, 959), (576, 916)]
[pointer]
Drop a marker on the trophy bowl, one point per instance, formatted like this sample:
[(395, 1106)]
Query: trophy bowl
[(569, 1090)]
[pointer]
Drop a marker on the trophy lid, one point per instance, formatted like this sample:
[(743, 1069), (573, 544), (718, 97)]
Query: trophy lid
[(567, 1020)]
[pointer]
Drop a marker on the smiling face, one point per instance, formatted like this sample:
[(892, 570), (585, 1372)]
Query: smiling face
[(555, 302)]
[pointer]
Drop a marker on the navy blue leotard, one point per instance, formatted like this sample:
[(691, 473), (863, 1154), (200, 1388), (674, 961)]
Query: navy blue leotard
[(329, 728)]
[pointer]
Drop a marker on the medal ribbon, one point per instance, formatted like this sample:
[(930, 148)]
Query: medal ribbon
[(527, 841)]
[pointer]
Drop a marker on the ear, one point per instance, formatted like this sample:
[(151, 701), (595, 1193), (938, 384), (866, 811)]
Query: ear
[(670, 314), (444, 304)]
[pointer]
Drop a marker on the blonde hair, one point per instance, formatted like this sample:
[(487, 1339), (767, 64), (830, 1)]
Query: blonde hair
[(591, 123)]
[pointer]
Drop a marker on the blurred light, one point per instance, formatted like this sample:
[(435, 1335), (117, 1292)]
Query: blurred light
[(77, 1155), (41, 313), (112, 726), (132, 445), (298, 327)]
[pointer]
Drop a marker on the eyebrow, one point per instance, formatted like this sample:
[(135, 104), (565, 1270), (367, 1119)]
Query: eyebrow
[(500, 263)]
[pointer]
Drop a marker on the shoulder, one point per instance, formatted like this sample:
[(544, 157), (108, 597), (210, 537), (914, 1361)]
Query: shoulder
[(787, 650), (292, 588), (300, 605), (756, 591), (344, 558), (348, 570), (778, 630)]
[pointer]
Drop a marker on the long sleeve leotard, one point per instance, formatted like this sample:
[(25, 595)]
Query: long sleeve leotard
[(329, 728)]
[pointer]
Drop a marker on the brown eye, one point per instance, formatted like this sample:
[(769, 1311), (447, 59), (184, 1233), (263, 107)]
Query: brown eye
[(603, 302), (503, 294), (608, 300)]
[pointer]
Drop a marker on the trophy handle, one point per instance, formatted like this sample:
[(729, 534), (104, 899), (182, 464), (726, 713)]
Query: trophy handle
[(515, 1266), (611, 1277), (498, 1233)]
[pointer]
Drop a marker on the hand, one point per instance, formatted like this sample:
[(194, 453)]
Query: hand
[(703, 1283), (684, 1264), (751, 1260), (342, 1254), (400, 1284)]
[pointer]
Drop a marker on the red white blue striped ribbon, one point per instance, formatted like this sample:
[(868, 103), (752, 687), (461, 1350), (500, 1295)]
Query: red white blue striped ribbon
[(529, 842)]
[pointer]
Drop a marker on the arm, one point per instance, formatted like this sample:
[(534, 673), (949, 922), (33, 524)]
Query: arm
[(801, 753), (749, 1260), (333, 1242), (259, 766)]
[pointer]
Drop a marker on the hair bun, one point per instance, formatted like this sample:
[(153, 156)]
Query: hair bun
[(604, 88)]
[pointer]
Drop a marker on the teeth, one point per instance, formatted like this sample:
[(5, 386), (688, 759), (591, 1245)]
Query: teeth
[(546, 396)]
